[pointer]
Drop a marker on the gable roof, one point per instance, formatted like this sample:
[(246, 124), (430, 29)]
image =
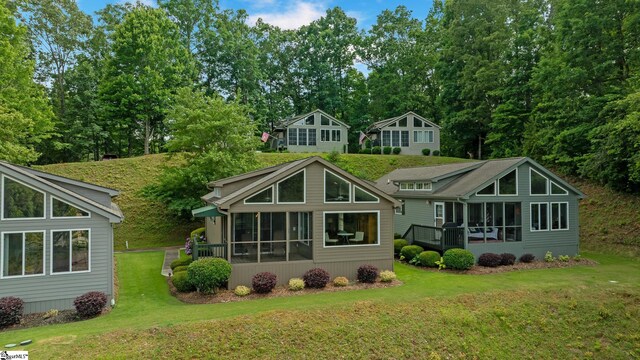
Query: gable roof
[(287, 122), (66, 180), (113, 213), (472, 176), (290, 168), (382, 123)]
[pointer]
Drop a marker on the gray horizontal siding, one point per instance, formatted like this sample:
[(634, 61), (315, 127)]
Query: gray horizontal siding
[(416, 211)]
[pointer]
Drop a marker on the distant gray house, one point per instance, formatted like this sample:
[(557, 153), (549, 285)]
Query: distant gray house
[(410, 132), (316, 131), (296, 216), (56, 238), (509, 205)]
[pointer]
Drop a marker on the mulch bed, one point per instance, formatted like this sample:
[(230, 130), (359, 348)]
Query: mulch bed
[(225, 296), (40, 319), (539, 264)]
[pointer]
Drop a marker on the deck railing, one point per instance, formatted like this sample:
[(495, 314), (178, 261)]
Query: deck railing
[(208, 250), (436, 238)]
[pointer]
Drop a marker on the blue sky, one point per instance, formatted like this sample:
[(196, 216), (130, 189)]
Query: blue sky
[(295, 13)]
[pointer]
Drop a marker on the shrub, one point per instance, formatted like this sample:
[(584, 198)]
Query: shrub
[(396, 150), (436, 152), (333, 156), (507, 259), (90, 304), (548, 257), (180, 268), (183, 261), (398, 244), (197, 232), (410, 251), (340, 281), (489, 260), (387, 150), (563, 258), (316, 278), (458, 259), (375, 150), (296, 284), (209, 274), (242, 290), (51, 313), (428, 258), (264, 282), (426, 151), (367, 273), (11, 309), (365, 151), (527, 258), (181, 281), (387, 276)]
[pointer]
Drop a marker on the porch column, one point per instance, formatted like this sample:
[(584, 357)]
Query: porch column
[(465, 216), (287, 225), (229, 225), (258, 220)]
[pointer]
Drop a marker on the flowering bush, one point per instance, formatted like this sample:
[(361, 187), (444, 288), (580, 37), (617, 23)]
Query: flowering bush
[(316, 278), (264, 282), (340, 281), (367, 273), (11, 309), (242, 290), (187, 247), (387, 276), (296, 284), (90, 304)]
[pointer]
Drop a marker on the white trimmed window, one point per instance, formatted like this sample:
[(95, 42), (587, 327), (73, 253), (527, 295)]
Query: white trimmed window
[(20, 201), (292, 189), (415, 186), (336, 189), (423, 136), (557, 189), (395, 138), (539, 216), (63, 210), (538, 183), (363, 196), (22, 254), (559, 216), (262, 197), (351, 228), (489, 190), (508, 184), (70, 251)]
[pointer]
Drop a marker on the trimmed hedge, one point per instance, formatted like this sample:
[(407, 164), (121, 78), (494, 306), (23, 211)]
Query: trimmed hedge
[(458, 259), (436, 152), (429, 258), (340, 281), (264, 282), (375, 150), (367, 273), (180, 268), (387, 276), (296, 284), (527, 258), (90, 304), (11, 309), (398, 244), (396, 150), (387, 150), (208, 274), (489, 260), (316, 278), (183, 261), (197, 232), (181, 281), (507, 259), (426, 151), (410, 251)]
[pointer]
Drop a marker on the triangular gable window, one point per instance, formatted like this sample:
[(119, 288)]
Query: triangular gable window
[(324, 120), (20, 201), (508, 184), (539, 183), (336, 189), (309, 120), (292, 189), (263, 197), (361, 195), (557, 190), (489, 190), (402, 122), (62, 209)]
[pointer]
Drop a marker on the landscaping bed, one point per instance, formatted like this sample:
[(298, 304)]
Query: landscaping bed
[(48, 318), (538, 264), (225, 296)]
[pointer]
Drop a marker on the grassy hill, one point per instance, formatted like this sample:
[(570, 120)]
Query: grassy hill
[(609, 221), (148, 224)]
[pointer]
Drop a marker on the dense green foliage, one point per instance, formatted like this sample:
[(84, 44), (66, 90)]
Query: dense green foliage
[(398, 244), (459, 259), (180, 280), (410, 251), (208, 274), (428, 258)]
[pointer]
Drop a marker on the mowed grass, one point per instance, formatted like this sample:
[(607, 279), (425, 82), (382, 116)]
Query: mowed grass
[(579, 312), (148, 224)]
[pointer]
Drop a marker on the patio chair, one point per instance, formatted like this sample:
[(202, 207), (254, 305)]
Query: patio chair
[(328, 240), (358, 239)]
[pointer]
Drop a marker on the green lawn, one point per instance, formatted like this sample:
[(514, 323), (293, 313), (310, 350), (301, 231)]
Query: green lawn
[(560, 313)]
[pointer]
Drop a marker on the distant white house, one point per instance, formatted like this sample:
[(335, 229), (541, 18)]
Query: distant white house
[(316, 131), (410, 132)]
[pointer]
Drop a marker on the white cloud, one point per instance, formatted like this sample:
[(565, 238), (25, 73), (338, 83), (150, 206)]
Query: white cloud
[(294, 15), (260, 3)]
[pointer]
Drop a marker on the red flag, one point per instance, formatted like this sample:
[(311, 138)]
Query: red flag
[(362, 136), (265, 137)]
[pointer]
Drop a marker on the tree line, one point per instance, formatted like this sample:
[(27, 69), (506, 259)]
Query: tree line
[(556, 80)]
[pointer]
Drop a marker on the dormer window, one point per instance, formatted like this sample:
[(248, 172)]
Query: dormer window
[(416, 186)]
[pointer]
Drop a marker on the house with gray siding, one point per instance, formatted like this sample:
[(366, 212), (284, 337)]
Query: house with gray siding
[(502, 206), (56, 238), (290, 218), (410, 132), (315, 131)]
